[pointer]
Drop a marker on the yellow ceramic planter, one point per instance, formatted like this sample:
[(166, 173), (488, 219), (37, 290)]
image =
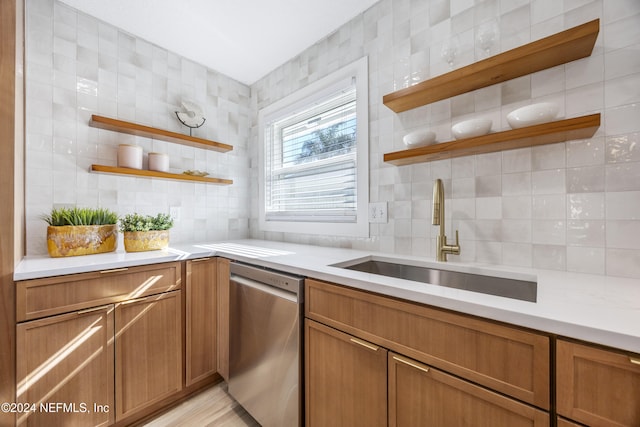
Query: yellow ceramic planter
[(140, 241), (74, 240)]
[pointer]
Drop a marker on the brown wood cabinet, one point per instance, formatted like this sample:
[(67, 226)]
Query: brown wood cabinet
[(351, 375), (148, 360), (420, 395), (120, 357), (54, 295), (503, 358), (67, 359), (201, 319), (129, 340), (597, 387), (346, 379), (561, 422), (224, 267)]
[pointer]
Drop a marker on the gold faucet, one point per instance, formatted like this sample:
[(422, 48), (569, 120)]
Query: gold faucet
[(442, 249)]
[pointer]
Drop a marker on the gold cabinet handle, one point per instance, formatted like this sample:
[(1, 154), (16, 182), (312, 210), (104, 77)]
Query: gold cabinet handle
[(92, 309), (634, 360), (364, 344), (114, 270), (413, 365), (199, 259)]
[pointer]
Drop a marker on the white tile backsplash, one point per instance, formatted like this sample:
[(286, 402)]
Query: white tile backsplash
[(515, 184), (551, 156), (569, 206), (585, 206), (587, 179), (622, 176), (549, 232), (623, 262), (623, 205), (548, 181), (623, 234), (586, 260), (77, 66)]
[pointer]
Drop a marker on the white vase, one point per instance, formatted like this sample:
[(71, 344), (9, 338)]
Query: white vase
[(129, 156), (158, 162)]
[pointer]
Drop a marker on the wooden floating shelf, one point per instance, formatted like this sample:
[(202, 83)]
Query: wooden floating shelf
[(545, 133), (155, 133), (155, 174), (558, 49)]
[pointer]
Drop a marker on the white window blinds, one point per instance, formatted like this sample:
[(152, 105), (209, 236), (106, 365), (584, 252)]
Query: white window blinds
[(310, 160)]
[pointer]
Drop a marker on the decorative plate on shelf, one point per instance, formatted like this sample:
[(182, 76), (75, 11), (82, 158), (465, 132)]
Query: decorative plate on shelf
[(195, 173)]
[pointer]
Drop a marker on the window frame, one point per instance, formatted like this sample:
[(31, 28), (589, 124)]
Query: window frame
[(297, 101)]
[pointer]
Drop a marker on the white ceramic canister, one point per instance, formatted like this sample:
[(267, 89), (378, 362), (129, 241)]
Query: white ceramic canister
[(129, 156), (158, 162)]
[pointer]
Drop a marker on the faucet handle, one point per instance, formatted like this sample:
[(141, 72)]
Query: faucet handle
[(456, 247)]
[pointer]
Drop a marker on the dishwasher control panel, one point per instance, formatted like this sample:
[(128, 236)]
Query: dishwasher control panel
[(269, 277)]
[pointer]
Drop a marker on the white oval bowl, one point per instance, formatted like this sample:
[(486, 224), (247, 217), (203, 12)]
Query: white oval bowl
[(419, 138), (533, 114), (471, 128)]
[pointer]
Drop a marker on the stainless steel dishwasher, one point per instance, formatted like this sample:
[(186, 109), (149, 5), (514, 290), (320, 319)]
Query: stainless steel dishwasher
[(265, 344)]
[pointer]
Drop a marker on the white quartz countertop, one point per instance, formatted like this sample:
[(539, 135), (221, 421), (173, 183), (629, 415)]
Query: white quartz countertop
[(599, 309)]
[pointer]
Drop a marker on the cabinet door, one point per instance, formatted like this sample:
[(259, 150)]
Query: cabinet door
[(561, 422), (597, 387), (223, 317), (148, 351), (504, 358), (346, 379), (201, 319), (67, 360), (420, 395)]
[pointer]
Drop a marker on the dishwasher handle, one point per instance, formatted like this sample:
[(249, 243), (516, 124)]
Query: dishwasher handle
[(277, 279), (289, 296)]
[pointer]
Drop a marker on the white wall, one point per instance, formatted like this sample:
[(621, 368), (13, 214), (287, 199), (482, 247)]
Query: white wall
[(77, 66), (570, 206)]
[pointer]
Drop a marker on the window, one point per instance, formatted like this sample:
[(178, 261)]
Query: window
[(314, 157)]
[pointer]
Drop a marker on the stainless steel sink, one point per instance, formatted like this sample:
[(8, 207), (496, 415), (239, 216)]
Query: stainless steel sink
[(510, 288)]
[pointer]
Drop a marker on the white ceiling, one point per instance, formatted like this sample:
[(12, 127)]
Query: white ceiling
[(244, 39)]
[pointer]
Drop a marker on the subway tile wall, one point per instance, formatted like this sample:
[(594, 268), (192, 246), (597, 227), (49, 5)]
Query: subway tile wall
[(77, 66), (571, 206)]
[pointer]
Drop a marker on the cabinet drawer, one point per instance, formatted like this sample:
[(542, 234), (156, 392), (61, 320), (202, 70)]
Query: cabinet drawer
[(53, 295), (561, 422), (506, 359), (597, 387), (420, 395)]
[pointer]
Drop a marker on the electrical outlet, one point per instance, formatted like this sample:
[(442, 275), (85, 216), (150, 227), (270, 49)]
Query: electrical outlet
[(174, 212), (378, 212)]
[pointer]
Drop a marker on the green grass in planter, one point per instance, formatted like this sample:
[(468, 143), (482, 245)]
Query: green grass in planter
[(80, 216)]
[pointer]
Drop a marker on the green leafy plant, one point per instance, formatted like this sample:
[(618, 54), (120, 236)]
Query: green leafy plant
[(137, 222), (80, 216)]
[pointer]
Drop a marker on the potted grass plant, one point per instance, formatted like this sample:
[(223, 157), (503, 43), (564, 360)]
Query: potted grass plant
[(81, 231), (145, 232)]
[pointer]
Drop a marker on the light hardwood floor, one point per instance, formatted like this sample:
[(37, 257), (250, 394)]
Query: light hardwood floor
[(212, 407)]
